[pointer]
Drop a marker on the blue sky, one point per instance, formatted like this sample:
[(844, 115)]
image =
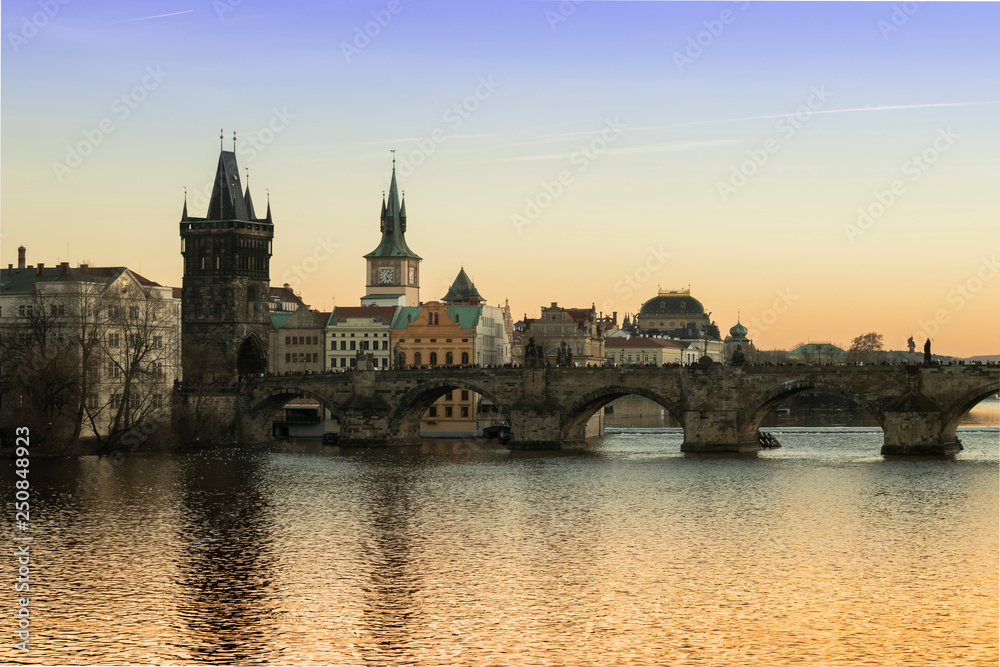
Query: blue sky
[(535, 84)]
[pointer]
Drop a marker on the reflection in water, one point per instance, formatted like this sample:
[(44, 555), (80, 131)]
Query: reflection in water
[(624, 552), (226, 569)]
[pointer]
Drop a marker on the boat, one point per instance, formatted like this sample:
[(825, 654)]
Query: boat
[(498, 430), (331, 438), (767, 441)]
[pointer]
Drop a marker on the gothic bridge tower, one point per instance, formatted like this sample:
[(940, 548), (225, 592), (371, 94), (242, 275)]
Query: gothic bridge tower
[(225, 307)]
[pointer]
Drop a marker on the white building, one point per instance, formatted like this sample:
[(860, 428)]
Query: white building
[(114, 337), (351, 330)]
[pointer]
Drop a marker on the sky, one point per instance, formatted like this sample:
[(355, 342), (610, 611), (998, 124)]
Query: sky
[(817, 170)]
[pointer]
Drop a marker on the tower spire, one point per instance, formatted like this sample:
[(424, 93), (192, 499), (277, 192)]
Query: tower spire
[(184, 213)]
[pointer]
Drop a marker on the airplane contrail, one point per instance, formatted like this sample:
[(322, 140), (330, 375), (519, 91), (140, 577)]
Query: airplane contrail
[(157, 16)]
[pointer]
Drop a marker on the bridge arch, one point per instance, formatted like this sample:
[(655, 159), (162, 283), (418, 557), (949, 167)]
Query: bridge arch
[(264, 405), (954, 413), (404, 420), (762, 405), (576, 416)]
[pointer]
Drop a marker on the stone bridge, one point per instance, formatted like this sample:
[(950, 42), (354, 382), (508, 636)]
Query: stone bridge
[(720, 407)]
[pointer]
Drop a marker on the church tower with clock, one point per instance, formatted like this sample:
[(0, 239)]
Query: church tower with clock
[(392, 270)]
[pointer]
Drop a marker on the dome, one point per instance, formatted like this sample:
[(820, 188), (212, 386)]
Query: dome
[(738, 332), (673, 303)]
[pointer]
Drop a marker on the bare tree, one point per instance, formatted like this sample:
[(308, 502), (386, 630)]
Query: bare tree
[(39, 374), (135, 353), (866, 348)]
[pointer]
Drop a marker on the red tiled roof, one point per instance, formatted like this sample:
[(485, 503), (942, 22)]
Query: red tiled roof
[(286, 295), (384, 313)]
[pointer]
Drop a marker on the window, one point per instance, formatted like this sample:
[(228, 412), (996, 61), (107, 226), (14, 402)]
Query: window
[(385, 345), (432, 411), (434, 358), (92, 402), (133, 312), (114, 340), (288, 358), (288, 340), (430, 317), (57, 310), (447, 340), (465, 358), (435, 318), (353, 345), (343, 362), (116, 400), (448, 396), (417, 359), (465, 394), (385, 362), (448, 411), (465, 340), (465, 411), (434, 340), (315, 356), (333, 345), (157, 341)]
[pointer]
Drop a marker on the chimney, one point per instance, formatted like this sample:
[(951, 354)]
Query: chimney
[(20, 257), (41, 268), (84, 268), (10, 270), (63, 268)]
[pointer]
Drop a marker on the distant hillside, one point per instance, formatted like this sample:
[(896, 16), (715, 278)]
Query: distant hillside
[(995, 358)]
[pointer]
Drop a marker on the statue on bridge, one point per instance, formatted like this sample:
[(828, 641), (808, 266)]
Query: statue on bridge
[(564, 355), (927, 351), (738, 359), (911, 344), (398, 357), (534, 355)]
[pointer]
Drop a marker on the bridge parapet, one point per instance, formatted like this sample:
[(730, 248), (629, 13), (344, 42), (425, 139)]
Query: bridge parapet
[(720, 407)]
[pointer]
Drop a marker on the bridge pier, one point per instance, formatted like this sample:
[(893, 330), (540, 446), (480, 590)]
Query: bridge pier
[(914, 425), (534, 427), (716, 431)]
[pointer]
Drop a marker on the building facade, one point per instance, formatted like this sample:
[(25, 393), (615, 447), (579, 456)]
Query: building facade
[(352, 331), (90, 351), (640, 351), (678, 315), (578, 328), (296, 342)]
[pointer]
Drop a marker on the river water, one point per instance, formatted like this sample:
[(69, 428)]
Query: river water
[(624, 552)]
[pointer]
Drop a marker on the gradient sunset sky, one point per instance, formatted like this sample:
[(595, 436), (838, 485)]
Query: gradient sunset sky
[(581, 153)]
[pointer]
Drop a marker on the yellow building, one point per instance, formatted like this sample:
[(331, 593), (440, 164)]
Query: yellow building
[(639, 351)]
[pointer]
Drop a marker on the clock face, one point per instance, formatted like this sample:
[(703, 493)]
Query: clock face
[(385, 276), (412, 275)]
